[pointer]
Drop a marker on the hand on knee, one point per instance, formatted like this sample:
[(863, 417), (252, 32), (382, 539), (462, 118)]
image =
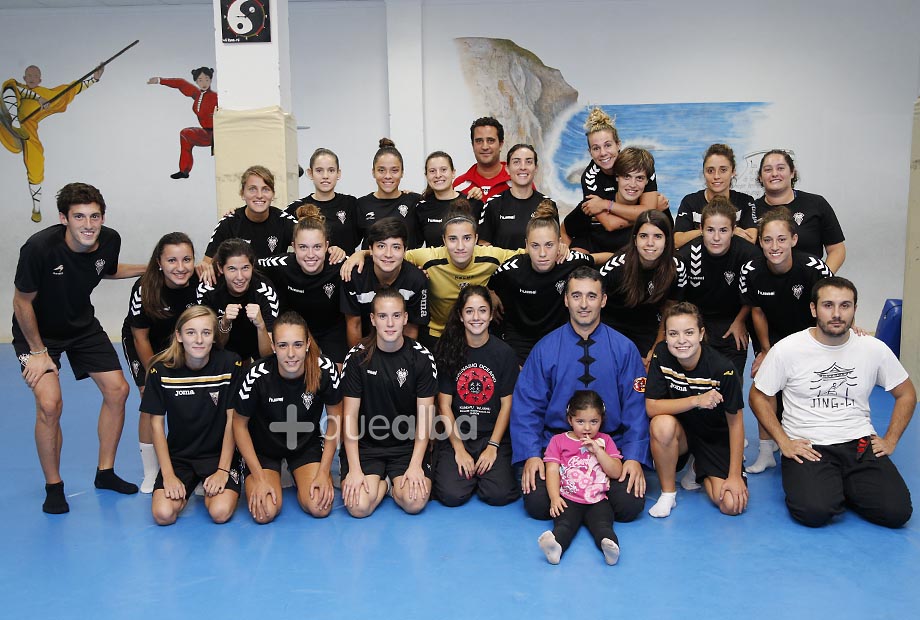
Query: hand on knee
[(311, 506), (728, 505)]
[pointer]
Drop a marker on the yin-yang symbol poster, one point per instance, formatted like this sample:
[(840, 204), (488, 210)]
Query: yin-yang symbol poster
[(245, 21)]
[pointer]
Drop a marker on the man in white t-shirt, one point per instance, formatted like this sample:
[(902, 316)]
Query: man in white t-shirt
[(832, 456)]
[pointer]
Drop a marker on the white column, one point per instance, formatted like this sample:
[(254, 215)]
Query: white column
[(406, 98), (253, 123), (910, 315)]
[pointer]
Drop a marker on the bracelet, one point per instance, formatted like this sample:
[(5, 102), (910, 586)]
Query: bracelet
[(494, 444), (226, 471), (220, 326), (42, 352), (610, 207)]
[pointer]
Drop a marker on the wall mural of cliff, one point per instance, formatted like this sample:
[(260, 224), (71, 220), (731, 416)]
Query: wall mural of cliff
[(536, 105)]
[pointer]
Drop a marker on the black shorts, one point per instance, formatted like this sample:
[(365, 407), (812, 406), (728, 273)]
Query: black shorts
[(311, 452), (135, 367), (88, 353), (193, 471), (385, 462), (712, 456)]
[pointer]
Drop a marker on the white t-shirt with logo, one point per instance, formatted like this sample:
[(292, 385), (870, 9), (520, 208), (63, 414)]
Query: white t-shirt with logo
[(826, 388)]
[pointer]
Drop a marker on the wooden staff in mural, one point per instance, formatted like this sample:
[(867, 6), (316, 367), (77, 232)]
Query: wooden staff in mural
[(25, 105), (205, 102)]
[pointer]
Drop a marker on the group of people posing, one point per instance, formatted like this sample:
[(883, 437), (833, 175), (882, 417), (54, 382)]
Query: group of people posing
[(466, 341)]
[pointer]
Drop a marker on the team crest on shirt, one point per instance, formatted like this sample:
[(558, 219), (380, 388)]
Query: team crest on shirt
[(272, 243), (214, 396), (403, 210), (639, 385), (651, 289), (341, 216), (463, 285), (100, 265), (729, 277), (799, 218), (475, 385), (797, 290), (329, 289), (307, 398), (401, 375), (560, 286)]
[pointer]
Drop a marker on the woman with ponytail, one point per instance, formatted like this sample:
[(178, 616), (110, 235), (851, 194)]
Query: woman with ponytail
[(298, 378), (388, 200), (187, 389), (308, 282)]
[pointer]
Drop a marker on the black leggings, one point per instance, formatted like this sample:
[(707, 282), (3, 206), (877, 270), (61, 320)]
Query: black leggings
[(597, 517), (625, 506), (846, 477)]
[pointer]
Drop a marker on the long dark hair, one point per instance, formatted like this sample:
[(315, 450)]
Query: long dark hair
[(153, 280), (632, 288), (452, 348)]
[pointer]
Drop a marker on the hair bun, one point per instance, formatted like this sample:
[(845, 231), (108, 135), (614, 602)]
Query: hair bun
[(386, 142)]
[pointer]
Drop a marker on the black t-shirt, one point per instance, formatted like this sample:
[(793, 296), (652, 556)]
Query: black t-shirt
[(712, 281), (690, 212), (341, 215), (388, 387), (586, 232), (487, 375), (667, 379), (784, 298), (315, 297), (372, 209), (358, 295), (269, 238), (817, 223), (63, 280), (430, 214), (534, 302), (639, 323), (243, 339), (264, 397), (175, 301), (504, 219), (195, 403)]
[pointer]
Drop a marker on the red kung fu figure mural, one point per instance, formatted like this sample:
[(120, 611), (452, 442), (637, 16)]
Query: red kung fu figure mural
[(204, 104)]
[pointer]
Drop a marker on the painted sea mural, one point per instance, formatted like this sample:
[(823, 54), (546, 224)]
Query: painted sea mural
[(537, 106)]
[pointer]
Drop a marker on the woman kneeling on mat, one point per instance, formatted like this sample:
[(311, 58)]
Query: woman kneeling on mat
[(476, 375), (189, 384), (693, 398), (277, 413), (389, 386)]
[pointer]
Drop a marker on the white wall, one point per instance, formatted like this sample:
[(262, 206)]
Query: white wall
[(842, 77)]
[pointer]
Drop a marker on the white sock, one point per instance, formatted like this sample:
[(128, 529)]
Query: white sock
[(664, 505), (688, 482), (765, 458), (550, 547), (611, 551), (151, 467)]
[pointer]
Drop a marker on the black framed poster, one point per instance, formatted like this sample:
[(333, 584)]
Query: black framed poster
[(245, 21)]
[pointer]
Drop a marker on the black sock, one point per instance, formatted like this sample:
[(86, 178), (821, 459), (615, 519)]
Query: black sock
[(55, 502), (107, 479)]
